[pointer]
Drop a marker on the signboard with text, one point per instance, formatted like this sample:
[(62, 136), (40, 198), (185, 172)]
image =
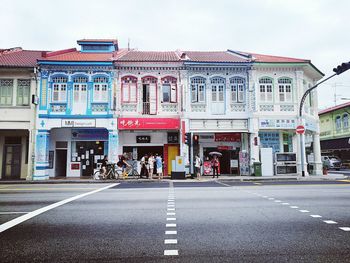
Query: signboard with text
[(148, 124)]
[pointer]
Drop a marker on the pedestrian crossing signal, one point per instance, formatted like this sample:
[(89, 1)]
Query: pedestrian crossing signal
[(188, 138)]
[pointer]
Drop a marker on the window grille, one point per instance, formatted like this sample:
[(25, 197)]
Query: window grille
[(285, 89), (23, 92), (198, 90), (60, 80), (237, 89), (100, 80)]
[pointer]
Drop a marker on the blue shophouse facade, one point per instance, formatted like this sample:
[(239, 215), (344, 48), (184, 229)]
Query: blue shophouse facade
[(75, 124)]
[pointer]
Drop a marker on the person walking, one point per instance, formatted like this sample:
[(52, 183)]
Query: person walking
[(215, 166), (159, 167), (104, 164), (197, 166), (151, 161)]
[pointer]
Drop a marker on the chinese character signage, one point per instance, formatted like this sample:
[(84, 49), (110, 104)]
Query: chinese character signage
[(227, 137), (173, 137), (148, 124), (143, 139)]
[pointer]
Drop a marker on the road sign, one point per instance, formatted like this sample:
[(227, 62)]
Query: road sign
[(300, 129)]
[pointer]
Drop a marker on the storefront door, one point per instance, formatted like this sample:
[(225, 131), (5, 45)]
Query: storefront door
[(12, 162), (79, 99)]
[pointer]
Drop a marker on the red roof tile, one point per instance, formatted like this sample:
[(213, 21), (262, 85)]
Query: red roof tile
[(149, 56), (340, 106), (75, 56), (214, 56), (19, 58), (271, 59)]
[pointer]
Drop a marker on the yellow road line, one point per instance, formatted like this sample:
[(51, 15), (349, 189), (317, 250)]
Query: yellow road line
[(347, 181)]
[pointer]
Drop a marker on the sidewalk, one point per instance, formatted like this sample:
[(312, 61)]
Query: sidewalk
[(69, 180)]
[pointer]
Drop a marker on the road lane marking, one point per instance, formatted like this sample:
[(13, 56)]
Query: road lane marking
[(170, 213), (330, 222), (218, 182), (285, 203), (271, 198), (347, 229), (170, 241), (170, 225), (11, 213), (293, 206), (171, 209), (315, 216), (171, 219), (278, 201), (43, 189), (39, 211), (173, 252), (304, 211)]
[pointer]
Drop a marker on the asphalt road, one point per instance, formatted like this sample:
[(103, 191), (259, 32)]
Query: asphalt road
[(222, 221)]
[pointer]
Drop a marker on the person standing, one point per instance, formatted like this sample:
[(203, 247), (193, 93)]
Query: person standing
[(144, 170), (151, 161), (159, 166), (215, 166), (104, 166), (197, 166)]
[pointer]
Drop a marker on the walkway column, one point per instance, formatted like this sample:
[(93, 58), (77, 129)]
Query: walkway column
[(317, 154), (113, 143), (41, 155)]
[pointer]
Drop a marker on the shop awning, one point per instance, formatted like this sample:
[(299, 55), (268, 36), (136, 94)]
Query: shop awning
[(336, 144)]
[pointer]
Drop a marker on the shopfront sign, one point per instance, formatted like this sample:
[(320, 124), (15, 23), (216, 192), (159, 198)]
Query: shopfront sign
[(78, 123), (90, 134), (143, 139), (277, 123), (148, 124), (227, 137), (173, 137)]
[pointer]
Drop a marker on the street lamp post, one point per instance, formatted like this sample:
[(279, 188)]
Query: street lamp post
[(338, 70)]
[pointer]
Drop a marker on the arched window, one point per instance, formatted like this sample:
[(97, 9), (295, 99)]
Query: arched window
[(198, 90), (265, 89), (285, 89), (345, 120), (129, 89), (169, 89), (59, 89), (237, 89), (217, 89), (100, 89), (338, 123)]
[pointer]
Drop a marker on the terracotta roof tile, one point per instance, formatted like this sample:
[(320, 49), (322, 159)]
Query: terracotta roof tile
[(75, 56), (340, 106), (214, 56), (149, 56), (270, 59), (19, 58)]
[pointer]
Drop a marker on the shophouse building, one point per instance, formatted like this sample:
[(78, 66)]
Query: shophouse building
[(75, 122), (335, 132), (18, 82), (149, 104), (277, 85)]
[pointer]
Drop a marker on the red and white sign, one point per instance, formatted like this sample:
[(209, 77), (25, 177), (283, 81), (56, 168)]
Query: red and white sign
[(227, 137), (300, 129), (148, 124)]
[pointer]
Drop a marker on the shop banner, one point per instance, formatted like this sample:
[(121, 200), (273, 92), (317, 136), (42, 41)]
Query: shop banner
[(148, 124), (227, 137)]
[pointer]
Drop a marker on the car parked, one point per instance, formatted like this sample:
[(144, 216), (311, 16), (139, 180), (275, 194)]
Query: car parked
[(331, 162)]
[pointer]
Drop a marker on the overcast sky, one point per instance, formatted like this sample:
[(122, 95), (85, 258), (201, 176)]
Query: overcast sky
[(312, 29)]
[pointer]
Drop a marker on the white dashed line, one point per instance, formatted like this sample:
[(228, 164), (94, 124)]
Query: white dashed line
[(285, 203), (270, 198), (330, 222), (11, 213), (170, 241), (304, 211), (293, 206), (170, 225), (174, 252), (347, 229), (171, 219), (278, 201), (171, 209), (170, 214), (315, 216), (171, 232)]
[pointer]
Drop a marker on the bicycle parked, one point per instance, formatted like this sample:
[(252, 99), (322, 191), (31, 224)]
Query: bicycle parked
[(129, 171), (110, 173)]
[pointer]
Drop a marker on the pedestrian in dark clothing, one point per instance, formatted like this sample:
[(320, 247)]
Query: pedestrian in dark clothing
[(215, 166)]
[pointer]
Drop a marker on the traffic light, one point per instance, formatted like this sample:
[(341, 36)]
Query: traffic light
[(188, 138), (195, 139), (342, 68)]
